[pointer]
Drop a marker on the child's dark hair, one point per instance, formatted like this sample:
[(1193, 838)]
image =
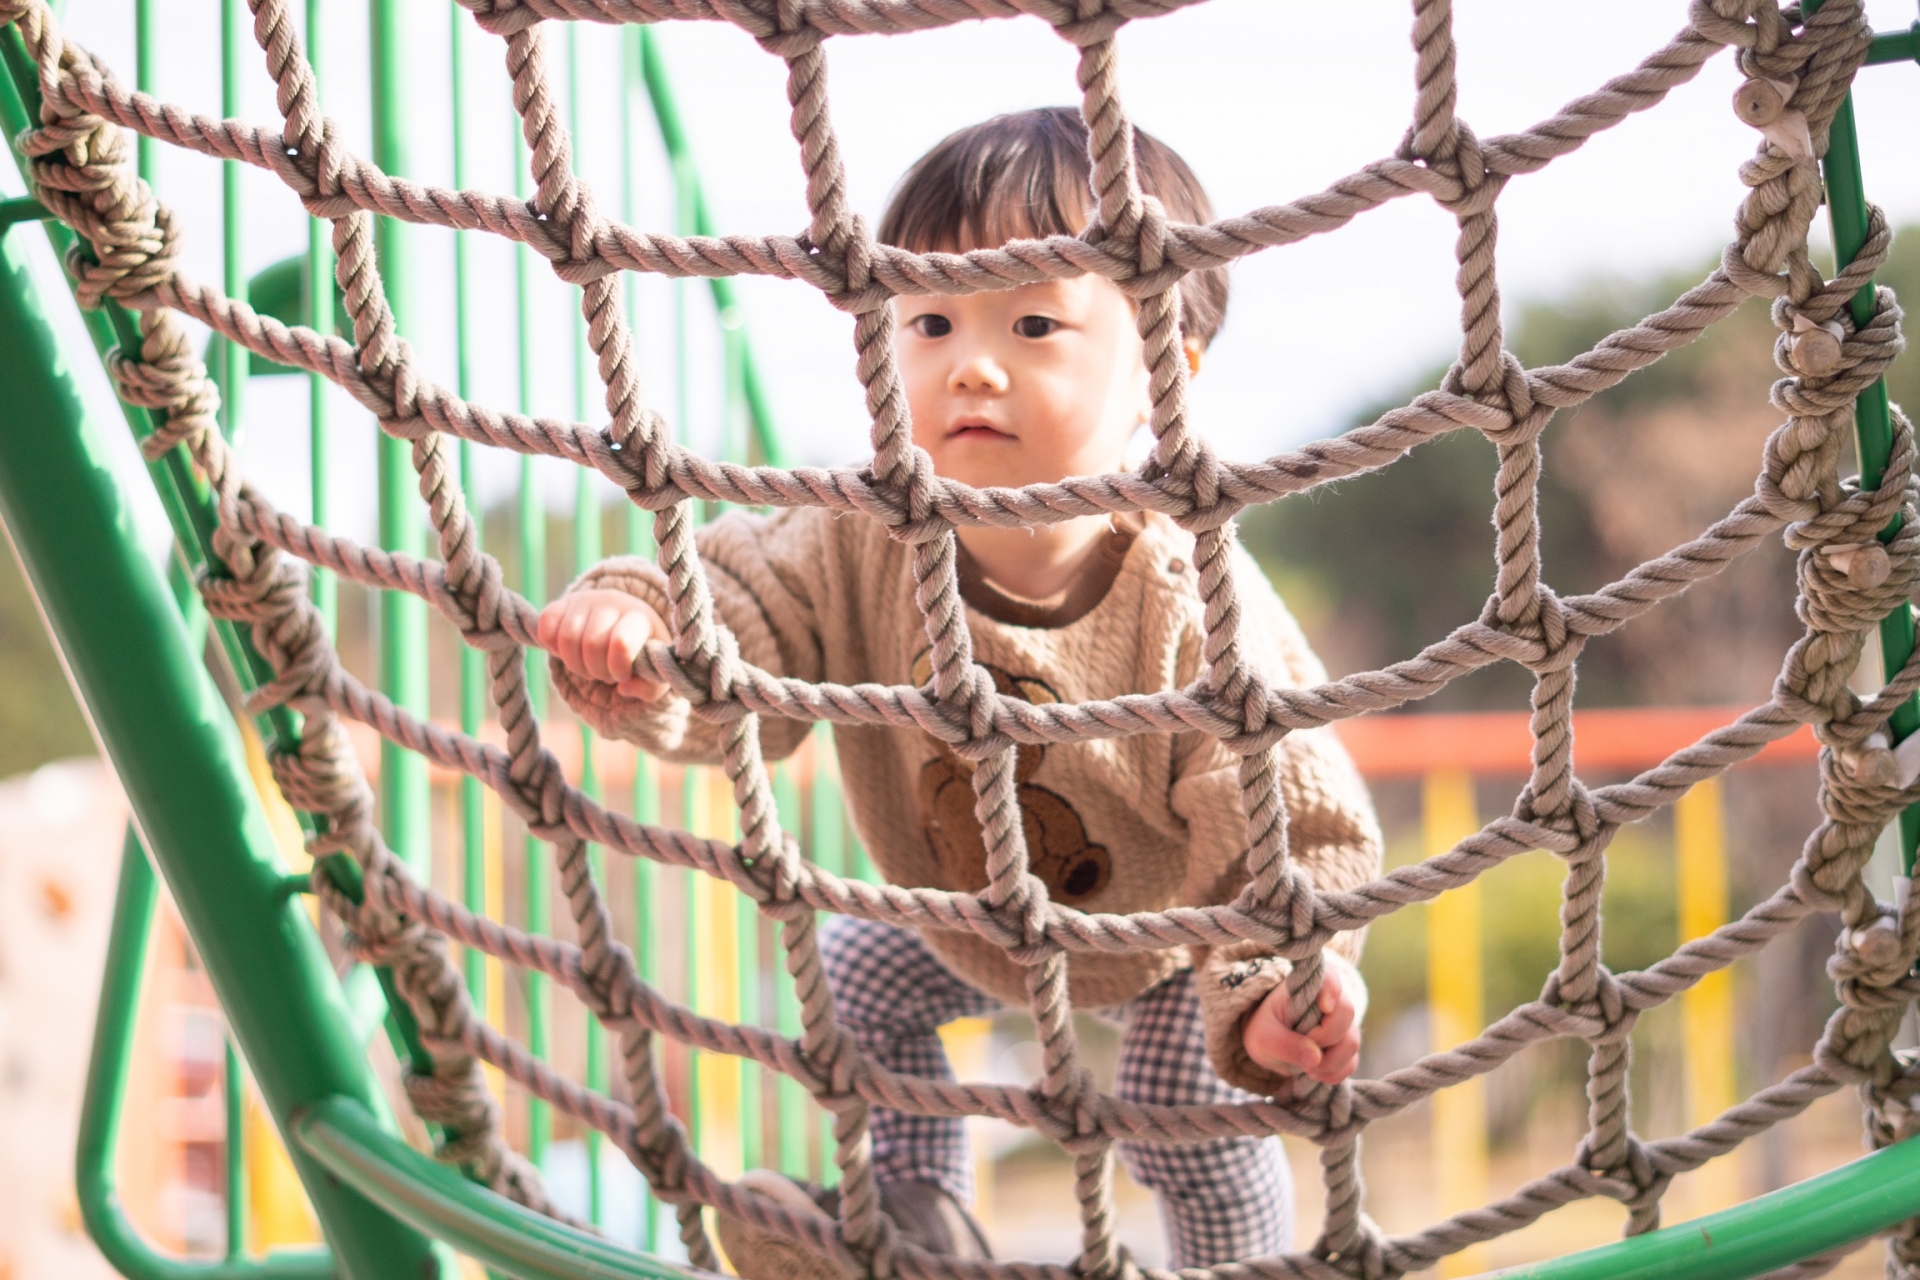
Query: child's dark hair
[(1027, 175)]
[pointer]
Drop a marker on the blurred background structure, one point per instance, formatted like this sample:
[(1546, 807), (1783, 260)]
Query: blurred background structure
[(1371, 569)]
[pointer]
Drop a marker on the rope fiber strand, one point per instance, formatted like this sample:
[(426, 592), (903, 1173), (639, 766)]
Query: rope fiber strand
[(82, 169)]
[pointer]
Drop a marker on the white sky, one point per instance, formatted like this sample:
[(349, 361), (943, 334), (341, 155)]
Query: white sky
[(1268, 100)]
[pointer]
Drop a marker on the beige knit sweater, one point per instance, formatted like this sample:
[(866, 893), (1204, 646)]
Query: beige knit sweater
[(1141, 823)]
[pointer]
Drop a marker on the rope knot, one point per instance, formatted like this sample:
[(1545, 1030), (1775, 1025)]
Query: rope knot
[(1604, 1005), (1084, 23), (783, 32), (846, 275), (1872, 964), (1892, 1115), (1456, 153)]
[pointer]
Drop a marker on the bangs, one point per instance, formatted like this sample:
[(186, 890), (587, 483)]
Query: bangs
[(1020, 177), (1026, 176)]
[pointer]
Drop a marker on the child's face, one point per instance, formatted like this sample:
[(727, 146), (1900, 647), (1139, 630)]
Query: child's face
[(1025, 386)]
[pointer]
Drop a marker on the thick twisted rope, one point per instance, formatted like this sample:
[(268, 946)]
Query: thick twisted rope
[(1848, 577)]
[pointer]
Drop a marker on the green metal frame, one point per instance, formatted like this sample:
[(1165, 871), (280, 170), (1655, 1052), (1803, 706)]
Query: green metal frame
[(357, 1150), (172, 740), (1849, 1203), (97, 1188), (1873, 417)]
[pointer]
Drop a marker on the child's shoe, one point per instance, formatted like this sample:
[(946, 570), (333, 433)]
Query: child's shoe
[(758, 1254), (930, 1218), (924, 1213)]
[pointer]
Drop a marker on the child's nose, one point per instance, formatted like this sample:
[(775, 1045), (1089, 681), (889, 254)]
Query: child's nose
[(978, 372)]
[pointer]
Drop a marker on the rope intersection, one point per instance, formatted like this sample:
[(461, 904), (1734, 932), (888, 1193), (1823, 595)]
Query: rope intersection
[(1799, 69)]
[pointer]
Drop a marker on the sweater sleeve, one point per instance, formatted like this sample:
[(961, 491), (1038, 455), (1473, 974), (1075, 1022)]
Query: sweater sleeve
[(1331, 834), (764, 573)]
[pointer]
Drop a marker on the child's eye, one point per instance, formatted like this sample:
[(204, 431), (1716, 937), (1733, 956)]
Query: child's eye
[(1035, 326), (931, 325)]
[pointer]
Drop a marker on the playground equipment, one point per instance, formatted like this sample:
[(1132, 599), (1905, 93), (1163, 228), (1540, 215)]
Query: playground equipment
[(381, 1205), (1445, 753)]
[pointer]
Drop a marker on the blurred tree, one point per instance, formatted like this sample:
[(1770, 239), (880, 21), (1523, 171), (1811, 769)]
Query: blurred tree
[(39, 719), (1381, 564)]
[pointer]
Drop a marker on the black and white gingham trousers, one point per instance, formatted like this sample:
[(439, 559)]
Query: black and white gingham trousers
[(1220, 1201)]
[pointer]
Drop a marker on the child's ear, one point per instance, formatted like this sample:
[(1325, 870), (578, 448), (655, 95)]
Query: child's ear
[(1195, 351)]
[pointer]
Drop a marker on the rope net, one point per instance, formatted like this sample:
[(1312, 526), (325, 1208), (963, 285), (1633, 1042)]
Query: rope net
[(1800, 68)]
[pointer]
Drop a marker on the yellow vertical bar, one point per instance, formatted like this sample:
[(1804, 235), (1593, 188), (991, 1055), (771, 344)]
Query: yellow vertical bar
[(277, 1205), (1455, 1011), (1706, 1008), (717, 981), (968, 1042)]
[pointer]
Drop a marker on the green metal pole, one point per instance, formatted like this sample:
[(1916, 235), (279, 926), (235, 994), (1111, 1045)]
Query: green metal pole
[(234, 1090), (233, 388), (405, 793), (639, 541), (473, 673), (697, 220), (790, 1100), (232, 399), (692, 957), (586, 554), (747, 927), (1873, 420), (646, 888), (533, 585), (96, 1178), (826, 838), (146, 55), (533, 552), (1895, 46), (173, 744), (683, 399), (319, 309)]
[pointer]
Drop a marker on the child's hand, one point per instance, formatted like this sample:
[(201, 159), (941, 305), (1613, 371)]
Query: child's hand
[(598, 634), (1328, 1053)]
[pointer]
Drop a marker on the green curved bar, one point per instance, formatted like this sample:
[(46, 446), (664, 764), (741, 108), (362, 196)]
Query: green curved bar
[(118, 1239), (343, 1138), (1781, 1227), (1853, 1201)]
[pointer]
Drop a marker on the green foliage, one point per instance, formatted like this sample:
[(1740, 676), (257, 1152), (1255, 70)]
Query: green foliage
[(1520, 925), (1379, 565), (39, 719)]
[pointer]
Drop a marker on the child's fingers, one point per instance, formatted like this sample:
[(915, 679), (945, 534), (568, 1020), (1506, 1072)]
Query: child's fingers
[(1274, 1045), (1333, 1026), (641, 689), (1330, 988), (594, 642), (564, 642), (1338, 1062), (627, 641)]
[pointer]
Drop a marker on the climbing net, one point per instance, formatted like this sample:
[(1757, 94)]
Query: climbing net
[(1800, 69)]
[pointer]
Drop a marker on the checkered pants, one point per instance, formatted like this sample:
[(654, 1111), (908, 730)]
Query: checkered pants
[(1219, 1201)]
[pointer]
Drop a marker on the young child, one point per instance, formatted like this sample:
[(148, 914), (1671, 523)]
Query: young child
[(1028, 385)]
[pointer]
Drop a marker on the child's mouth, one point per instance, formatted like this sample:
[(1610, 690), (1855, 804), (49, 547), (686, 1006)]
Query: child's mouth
[(976, 431)]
